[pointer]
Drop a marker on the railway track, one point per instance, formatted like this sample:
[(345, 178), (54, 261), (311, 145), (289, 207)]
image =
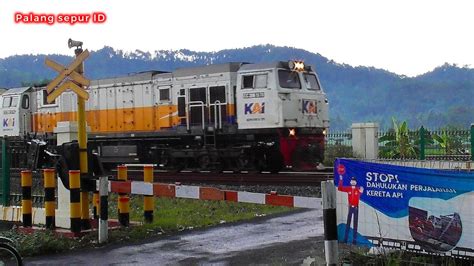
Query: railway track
[(240, 178)]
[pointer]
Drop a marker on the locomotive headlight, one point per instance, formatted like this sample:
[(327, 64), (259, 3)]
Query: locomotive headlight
[(297, 66), (292, 132), (325, 132)]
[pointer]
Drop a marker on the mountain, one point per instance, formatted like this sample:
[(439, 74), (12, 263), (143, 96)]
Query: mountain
[(442, 97)]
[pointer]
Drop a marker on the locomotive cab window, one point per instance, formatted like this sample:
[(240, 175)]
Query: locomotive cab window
[(289, 79), (45, 99), (247, 82), (258, 81), (164, 95), (261, 81), (10, 101), (6, 101), (311, 82), (14, 102)]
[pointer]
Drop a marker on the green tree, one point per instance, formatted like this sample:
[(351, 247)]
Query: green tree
[(399, 143), (451, 144)]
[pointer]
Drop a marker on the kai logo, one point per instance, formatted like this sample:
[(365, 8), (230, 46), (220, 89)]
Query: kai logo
[(309, 107), (254, 108), (8, 122)]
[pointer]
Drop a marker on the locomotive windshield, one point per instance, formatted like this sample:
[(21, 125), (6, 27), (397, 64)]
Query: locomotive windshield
[(289, 79), (311, 81)]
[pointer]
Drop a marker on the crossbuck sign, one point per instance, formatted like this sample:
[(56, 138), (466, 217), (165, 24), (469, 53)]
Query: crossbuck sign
[(68, 78)]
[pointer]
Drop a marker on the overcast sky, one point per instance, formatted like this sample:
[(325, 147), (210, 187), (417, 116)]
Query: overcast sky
[(405, 37)]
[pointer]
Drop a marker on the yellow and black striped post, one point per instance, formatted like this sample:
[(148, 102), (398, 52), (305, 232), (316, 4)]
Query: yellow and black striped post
[(75, 196), (123, 199), (96, 204), (26, 207), (148, 200), (49, 197)]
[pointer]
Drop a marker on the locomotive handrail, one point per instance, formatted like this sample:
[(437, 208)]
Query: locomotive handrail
[(216, 104), (195, 104)]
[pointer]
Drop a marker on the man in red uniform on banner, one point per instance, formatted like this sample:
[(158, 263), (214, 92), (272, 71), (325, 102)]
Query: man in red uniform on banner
[(353, 196)]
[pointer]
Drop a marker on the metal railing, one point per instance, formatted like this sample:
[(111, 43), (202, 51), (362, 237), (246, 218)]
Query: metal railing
[(194, 104), (422, 144)]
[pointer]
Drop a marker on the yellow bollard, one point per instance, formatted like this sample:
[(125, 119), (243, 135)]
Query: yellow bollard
[(148, 201), (75, 197), (49, 197), (123, 199), (26, 206)]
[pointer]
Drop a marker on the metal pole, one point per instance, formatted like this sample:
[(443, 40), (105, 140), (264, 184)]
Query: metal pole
[(5, 172), (422, 143), (104, 206), (331, 251), (82, 141)]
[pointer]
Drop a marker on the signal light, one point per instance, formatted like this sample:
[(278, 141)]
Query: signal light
[(292, 132), (297, 66)]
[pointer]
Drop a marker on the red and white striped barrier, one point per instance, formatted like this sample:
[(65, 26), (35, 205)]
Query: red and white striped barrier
[(210, 193)]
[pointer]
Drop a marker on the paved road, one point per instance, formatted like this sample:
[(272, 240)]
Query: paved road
[(285, 240)]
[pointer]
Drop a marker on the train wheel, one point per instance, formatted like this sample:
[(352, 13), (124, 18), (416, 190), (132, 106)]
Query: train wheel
[(177, 164), (274, 161), (242, 162), (204, 162), (164, 159)]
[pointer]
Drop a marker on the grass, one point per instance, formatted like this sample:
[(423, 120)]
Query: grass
[(170, 216)]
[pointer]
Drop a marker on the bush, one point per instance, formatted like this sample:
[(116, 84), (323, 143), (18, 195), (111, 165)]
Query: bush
[(336, 151)]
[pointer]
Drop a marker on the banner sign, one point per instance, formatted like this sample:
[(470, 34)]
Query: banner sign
[(425, 210)]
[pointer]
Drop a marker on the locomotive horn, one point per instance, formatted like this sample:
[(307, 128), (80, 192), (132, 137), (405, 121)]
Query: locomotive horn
[(71, 43)]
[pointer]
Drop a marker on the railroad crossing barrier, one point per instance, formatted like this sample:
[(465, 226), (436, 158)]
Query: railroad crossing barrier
[(146, 188), (210, 193)]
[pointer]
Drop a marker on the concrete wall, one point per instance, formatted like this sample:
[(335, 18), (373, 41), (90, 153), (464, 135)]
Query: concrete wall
[(365, 140)]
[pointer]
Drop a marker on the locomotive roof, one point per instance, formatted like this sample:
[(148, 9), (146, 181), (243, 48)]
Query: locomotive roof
[(209, 69), (140, 76), (16, 90), (267, 65)]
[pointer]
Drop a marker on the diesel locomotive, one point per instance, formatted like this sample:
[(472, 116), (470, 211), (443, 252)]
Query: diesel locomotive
[(232, 116)]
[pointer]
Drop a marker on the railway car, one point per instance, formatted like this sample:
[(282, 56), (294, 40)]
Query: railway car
[(263, 116)]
